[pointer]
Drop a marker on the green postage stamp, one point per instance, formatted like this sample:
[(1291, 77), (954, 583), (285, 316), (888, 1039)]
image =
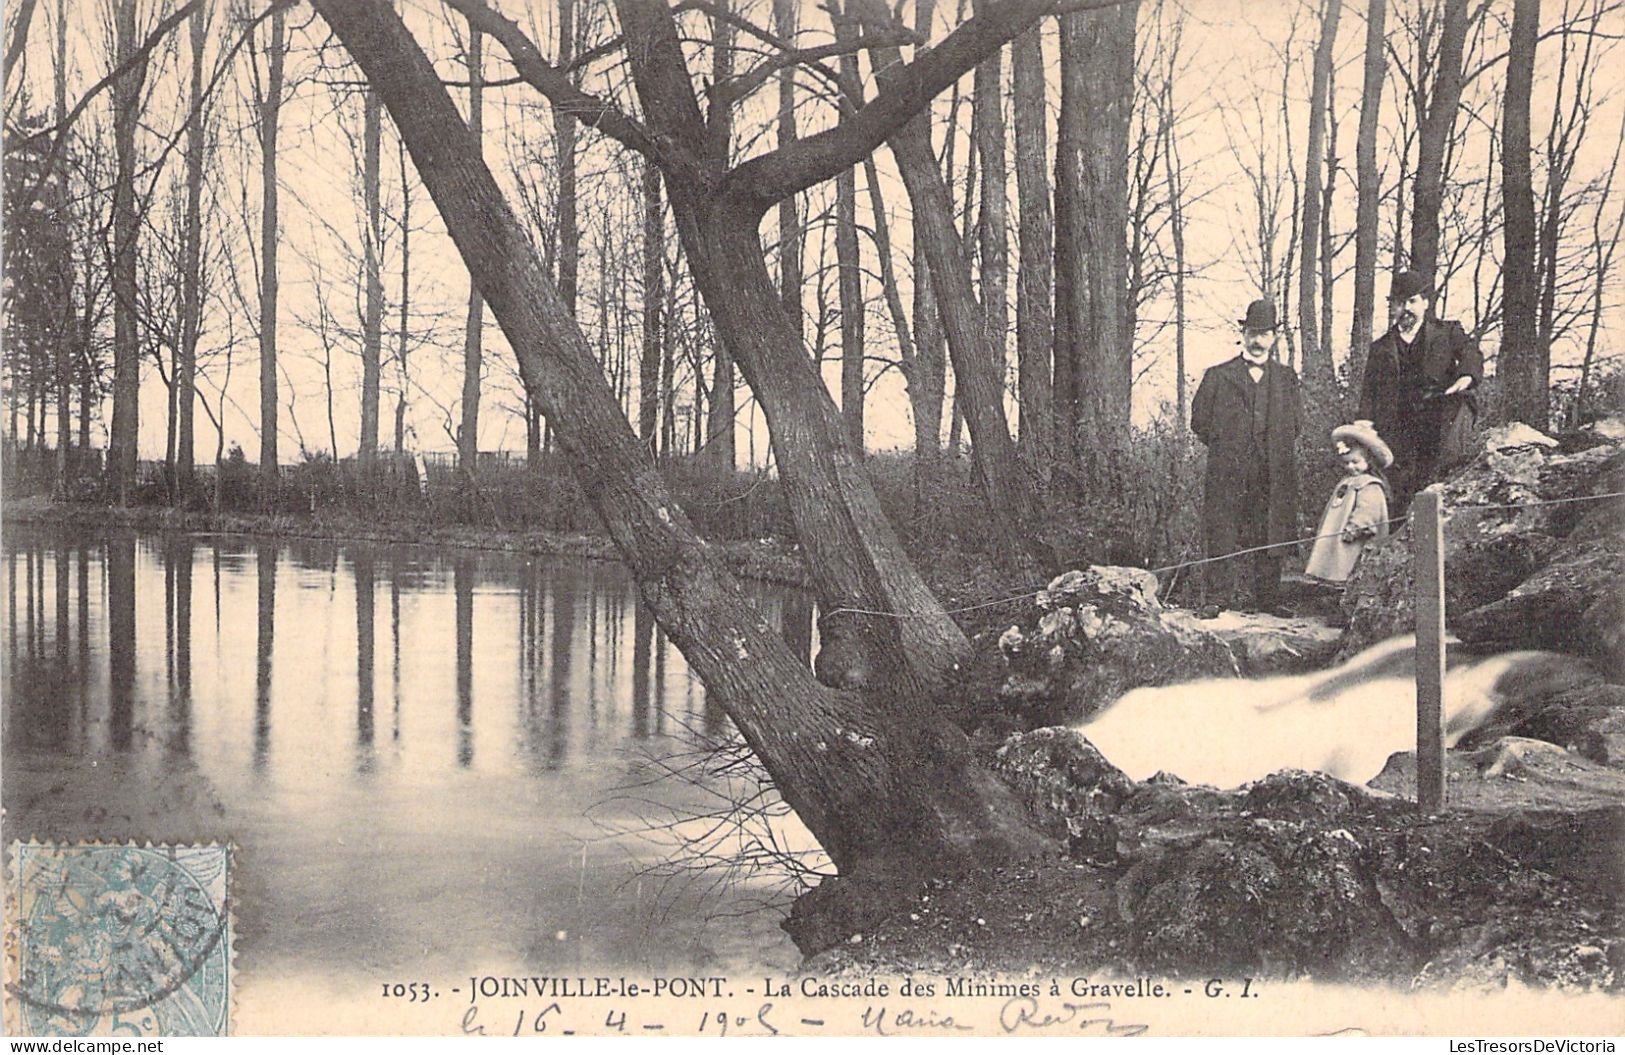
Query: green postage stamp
[(118, 939)]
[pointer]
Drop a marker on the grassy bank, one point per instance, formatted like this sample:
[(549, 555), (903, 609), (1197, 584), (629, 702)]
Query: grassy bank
[(766, 560)]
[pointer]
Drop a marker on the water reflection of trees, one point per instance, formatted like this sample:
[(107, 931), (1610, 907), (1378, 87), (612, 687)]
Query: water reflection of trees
[(592, 667)]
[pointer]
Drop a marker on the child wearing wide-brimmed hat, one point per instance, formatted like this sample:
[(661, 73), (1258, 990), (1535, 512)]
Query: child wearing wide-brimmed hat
[(1357, 511)]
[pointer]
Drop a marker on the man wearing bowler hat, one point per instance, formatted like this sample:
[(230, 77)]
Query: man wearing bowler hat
[(1246, 412), (1418, 388)]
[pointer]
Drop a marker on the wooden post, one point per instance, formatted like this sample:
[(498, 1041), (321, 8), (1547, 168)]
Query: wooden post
[(1427, 569)]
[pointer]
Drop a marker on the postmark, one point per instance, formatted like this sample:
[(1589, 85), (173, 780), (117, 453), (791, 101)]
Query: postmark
[(119, 939)]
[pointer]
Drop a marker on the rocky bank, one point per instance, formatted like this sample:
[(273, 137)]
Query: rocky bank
[(1299, 874)]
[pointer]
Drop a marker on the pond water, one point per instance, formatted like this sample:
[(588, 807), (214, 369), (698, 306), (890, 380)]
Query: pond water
[(433, 763)]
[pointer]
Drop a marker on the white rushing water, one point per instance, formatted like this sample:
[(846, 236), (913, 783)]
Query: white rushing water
[(1345, 721)]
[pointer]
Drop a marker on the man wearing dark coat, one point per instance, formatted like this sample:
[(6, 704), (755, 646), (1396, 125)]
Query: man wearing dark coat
[(1246, 412), (1418, 388)]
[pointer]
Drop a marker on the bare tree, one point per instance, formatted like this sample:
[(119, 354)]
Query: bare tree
[(1525, 360), (1368, 189), (270, 106), (993, 217), (1436, 105), (889, 785), (1317, 351), (1093, 386), (848, 262), (126, 231), (1035, 322), (372, 325)]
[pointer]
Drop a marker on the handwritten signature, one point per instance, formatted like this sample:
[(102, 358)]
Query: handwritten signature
[(887, 1023), (1026, 1013)]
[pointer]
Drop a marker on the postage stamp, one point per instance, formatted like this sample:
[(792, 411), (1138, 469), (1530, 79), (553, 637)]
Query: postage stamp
[(119, 939)]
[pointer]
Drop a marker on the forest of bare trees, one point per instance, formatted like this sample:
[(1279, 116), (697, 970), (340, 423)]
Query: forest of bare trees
[(1028, 272)]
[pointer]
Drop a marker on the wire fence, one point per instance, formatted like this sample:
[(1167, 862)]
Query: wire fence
[(1034, 591)]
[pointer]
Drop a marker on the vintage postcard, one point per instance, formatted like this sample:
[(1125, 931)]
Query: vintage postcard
[(772, 518)]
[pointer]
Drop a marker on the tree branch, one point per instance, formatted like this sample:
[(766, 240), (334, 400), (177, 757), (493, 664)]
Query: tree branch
[(746, 83), (554, 83), (771, 177)]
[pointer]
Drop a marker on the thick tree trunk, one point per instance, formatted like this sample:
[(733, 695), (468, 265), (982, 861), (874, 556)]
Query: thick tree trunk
[(1093, 345), (928, 380), (1035, 323), (877, 780), (1104, 375), (852, 553), (1437, 125), (849, 263), (784, 25), (1317, 349), (993, 219), (1525, 359), (270, 112), (1368, 187), (126, 229), (372, 334), (468, 433), (1071, 299)]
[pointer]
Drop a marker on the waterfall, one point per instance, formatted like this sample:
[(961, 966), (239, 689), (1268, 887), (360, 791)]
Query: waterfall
[(1345, 721)]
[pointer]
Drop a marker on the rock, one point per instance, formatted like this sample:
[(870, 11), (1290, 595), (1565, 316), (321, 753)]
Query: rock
[(1587, 845), (1563, 701), (1611, 429), (1548, 609), (1515, 434), (1057, 772), (1264, 896), (1497, 538), (1137, 586), (1264, 643), (1534, 779), (1094, 635), (1294, 794), (1068, 785)]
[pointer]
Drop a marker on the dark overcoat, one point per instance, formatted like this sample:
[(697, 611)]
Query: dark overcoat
[(1222, 416), (1422, 433)]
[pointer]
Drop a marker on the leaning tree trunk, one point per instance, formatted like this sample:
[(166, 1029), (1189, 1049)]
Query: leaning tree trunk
[(1525, 361), (784, 24), (1007, 489), (853, 555), (881, 781)]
